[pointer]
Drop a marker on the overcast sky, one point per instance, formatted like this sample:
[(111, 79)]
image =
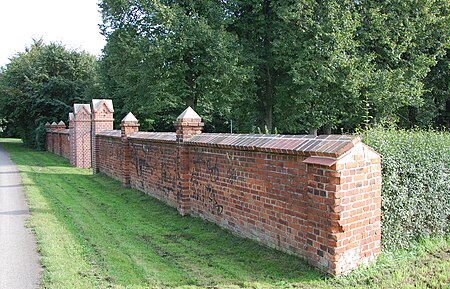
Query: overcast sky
[(74, 23)]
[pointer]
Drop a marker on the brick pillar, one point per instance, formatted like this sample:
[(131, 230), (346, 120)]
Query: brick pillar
[(82, 135), (53, 134), (48, 135), (71, 140), (102, 119), (188, 124), (343, 229), (60, 126), (128, 125)]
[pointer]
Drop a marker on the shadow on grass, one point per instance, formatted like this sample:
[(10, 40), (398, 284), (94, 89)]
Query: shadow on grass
[(138, 240)]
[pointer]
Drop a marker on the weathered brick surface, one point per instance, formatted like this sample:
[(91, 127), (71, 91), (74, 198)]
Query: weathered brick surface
[(82, 135), (71, 139), (102, 120), (317, 197), (153, 167), (110, 154), (64, 142)]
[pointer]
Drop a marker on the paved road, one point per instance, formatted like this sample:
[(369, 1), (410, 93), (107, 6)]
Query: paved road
[(19, 260)]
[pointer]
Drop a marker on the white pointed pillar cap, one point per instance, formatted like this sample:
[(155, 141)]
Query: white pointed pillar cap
[(189, 114), (129, 118)]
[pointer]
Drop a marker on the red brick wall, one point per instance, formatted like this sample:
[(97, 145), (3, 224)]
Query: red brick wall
[(55, 142), (321, 200), (153, 168), (82, 136), (64, 150), (58, 143), (110, 154), (358, 202), (259, 195), (317, 197)]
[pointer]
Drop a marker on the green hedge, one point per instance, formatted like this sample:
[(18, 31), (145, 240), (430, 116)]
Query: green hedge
[(416, 183)]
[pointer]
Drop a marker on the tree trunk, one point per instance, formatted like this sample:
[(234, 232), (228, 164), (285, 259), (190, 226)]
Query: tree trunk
[(327, 128), (313, 131), (190, 99), (268, 118), (268, 97)]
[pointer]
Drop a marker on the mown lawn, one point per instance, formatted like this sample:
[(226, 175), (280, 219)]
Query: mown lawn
[(93, 233)]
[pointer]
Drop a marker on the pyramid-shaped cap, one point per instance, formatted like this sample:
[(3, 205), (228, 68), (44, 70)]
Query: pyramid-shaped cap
[(61, 123), (54, 123), (189, 113), (47, 123), (77, 107), (97, 102), (129, 118)]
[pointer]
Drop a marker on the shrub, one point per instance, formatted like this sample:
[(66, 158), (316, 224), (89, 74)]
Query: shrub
[(40, 137), (416, 183)]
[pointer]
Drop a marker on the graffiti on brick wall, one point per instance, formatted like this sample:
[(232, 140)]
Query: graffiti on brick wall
[(207, 196), (205, 175), (232, 171), (115, 150), (150, 162)]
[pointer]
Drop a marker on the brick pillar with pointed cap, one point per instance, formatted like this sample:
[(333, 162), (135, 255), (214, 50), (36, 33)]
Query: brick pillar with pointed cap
[(82, 135), (102, 119), (71, 140), (128, 125), (58, 147), (188, 124), (48, 136)]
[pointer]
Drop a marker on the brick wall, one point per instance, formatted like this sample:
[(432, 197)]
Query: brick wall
[(316, 197), (57, 140), (82, 136), (64, 141), (110, 154), (154, 164), (322, 205)]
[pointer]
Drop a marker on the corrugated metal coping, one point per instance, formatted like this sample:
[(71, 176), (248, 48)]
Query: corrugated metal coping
[(111, 133), (321, 150), (154, 136)]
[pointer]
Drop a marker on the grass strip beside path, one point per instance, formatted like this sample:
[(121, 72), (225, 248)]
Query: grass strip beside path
[(92, 232)]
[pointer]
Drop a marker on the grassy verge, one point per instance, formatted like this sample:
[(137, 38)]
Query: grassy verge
[(94, 233)]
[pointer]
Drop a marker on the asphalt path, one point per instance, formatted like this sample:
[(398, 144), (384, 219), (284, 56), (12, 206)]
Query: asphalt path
[(19, 260)]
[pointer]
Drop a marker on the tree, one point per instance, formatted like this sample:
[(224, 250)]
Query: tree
[(162, 56), (256, 24), (319, 51), (404, 39), (42, 83), (297, 65)]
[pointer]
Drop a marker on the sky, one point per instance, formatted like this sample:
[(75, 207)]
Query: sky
[(73, 23)]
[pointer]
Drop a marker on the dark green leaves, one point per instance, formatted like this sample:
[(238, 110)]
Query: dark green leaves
[(42, 83)]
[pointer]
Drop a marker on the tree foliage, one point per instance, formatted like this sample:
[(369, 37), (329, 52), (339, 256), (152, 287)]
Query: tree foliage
[(287, 66), (41, 84), (297, 65), (162, 57)]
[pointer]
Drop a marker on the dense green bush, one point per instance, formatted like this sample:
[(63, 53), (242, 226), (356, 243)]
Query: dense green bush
[(416, 183), (40, 132)]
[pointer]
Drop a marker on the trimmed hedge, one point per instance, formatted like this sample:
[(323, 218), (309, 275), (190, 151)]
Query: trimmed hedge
[(416, 183)]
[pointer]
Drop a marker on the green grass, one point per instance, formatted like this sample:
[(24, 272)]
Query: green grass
[(92, 232)]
